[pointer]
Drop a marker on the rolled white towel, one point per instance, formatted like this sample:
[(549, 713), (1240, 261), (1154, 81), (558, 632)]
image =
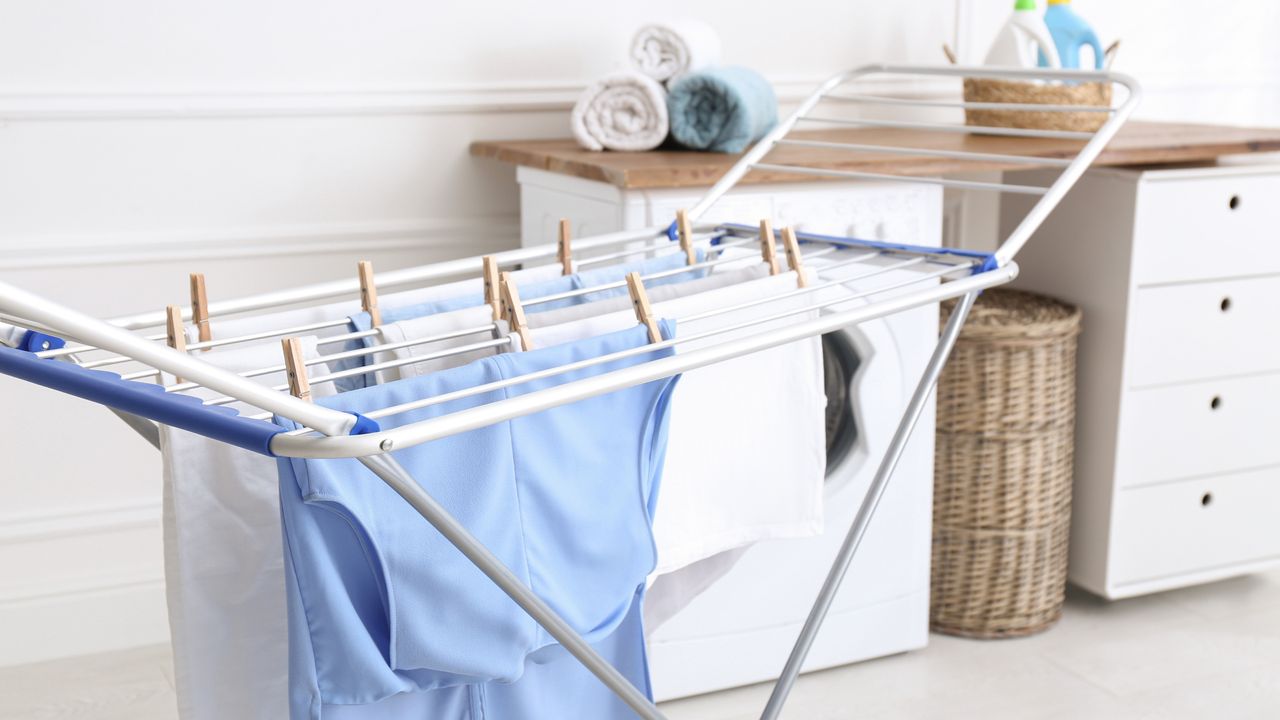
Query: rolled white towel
[(665, 50), (624, 111)]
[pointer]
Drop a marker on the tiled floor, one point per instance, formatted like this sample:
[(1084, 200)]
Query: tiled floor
[(1206, 652)]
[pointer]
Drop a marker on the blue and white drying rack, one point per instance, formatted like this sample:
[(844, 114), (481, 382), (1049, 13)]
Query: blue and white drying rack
[(942, 273)]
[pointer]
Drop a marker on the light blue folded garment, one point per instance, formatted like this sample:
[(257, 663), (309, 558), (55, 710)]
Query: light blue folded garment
[(528, 291), (380, 604), (554, 685), (722, 109)]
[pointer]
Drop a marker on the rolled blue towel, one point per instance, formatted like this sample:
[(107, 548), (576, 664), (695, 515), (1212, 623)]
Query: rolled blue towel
[(722, 109)]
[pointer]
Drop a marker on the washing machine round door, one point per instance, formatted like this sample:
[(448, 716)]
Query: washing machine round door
[(840, 362), (864, 386)]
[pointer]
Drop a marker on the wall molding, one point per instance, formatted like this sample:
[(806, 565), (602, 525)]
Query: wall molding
[(476, 236), (39, 526), (478, 98), (83, 587), (70, 105)]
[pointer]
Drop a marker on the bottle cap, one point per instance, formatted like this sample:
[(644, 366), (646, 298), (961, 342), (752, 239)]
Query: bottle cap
[(1059, 2), (1025, 4)]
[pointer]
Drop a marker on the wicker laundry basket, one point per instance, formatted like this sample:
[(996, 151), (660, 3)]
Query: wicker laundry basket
[(1012, 91), (1002, 479)]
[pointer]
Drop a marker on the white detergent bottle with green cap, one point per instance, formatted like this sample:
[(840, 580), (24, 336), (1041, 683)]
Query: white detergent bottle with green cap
[(1022, 39)]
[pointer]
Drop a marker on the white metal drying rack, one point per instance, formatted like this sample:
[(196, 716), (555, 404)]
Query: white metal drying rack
[(333, 434)]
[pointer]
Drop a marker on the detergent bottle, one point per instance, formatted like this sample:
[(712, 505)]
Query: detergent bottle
[(1020, 39), (1070, 32)]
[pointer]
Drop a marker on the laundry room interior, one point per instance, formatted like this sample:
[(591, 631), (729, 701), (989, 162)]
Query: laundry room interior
[(701, 361)]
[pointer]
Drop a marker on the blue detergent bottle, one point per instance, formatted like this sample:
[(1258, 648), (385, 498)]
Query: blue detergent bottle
[(1070, 32)]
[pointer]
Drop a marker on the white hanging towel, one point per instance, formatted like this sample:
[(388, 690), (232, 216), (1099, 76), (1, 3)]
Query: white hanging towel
[(624, 111), (746, 455), (224, 569), (667, 50)]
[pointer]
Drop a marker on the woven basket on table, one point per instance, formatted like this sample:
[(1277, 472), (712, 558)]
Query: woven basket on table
[(1012, 91), (1002, 478)]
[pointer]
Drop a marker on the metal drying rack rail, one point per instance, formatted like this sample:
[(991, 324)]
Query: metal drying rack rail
[(943, 273)]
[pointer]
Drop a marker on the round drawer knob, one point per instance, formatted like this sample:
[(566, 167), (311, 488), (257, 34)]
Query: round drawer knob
[(1207, 499), (1216, 402), (1234, 202), (1225, 304)]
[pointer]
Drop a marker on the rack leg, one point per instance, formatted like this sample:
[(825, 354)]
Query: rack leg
[(395, 476), (867, 510)]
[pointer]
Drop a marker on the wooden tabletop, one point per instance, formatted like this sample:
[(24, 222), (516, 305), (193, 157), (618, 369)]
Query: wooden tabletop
[(1137, 143)]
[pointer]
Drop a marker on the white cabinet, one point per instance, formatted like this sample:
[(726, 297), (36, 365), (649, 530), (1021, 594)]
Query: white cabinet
[(1177, 465)]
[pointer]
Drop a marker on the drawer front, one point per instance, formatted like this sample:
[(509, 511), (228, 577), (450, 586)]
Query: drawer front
[(1193, 525), (1207, 227), (1204, 330), (1215, 426)]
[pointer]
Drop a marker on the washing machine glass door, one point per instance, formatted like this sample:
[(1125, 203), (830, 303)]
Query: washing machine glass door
[(840, 361)]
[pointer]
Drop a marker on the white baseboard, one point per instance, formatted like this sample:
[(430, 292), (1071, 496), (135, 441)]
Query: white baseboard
[(81, 581), (83, 623)]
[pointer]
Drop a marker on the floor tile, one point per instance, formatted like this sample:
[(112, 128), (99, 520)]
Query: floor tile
[(1211, 651)]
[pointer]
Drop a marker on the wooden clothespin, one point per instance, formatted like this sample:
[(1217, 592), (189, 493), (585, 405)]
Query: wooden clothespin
[(369, 293), (515, 311), (685, 235), (640, 302), (793, 255), (175, 333), (200, 308), (768, 247), (563, 253), (492, 294), (295, 368)]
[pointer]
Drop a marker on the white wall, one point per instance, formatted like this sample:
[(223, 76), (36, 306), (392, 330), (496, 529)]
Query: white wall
[(276, 142), (273, 142)]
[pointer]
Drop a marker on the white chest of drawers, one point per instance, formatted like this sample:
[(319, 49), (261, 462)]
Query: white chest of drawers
[(1177, 475)]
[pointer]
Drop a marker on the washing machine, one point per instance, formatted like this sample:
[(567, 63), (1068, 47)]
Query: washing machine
[(741, 629)]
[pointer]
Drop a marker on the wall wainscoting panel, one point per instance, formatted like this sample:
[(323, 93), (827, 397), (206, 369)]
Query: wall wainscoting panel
[(81, 580), (84, 622), (140, 146), (36, 527)]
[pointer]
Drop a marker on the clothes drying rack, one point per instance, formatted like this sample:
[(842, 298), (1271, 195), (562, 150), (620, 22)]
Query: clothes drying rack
[(43, 356)]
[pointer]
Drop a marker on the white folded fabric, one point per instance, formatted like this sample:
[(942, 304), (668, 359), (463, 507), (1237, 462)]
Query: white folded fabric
[(224, 566), (624, 111), (722, 278), (663, 51), (435, 325)]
